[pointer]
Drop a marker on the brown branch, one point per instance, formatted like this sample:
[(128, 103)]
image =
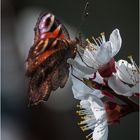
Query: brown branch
[(132, 105)]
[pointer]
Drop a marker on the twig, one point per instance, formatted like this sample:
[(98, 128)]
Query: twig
[(133, 106)]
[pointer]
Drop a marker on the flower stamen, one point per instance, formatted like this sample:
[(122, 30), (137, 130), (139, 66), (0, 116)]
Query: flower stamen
[(89, 135), (99, 41), (134, 63), (95, 41), (123, 73), (89, 122)]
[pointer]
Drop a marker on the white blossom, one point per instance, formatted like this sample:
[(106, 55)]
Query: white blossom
[(126, 80), (94, 119), (101, 51), (80, 90)]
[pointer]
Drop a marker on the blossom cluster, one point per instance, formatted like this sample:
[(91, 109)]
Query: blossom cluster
[(94, 70)]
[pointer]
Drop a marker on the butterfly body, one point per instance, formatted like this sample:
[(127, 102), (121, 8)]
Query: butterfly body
[(46, 65)]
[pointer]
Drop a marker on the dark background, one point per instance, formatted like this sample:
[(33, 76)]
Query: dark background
[(57, 119)]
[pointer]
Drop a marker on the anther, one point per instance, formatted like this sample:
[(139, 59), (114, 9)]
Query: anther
[(94, 40), (88, 41), (103, 34)]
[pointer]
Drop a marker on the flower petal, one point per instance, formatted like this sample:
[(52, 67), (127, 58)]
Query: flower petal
[(135, 88), (77, 64), (97, 106), (100, 134), (80, 90), (97, 93), (116, 40), (125, 72), (101, 128), (98, 121), (119, 87), (101, 56), (105, 53), (89, 58), (96, 77), (85, 104)]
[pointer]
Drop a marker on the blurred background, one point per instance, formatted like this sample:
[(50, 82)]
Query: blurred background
[(56, 119)]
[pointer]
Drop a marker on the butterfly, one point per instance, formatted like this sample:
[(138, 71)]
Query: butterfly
[(46, 65)]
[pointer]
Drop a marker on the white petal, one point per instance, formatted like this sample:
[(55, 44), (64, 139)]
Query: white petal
[(78, 73), (125, 73), (135, 88), (116, 40), (105, 53), (85, 104), (100, 122), (89, 58), (80, 90), (101, 128), (100, 134), (97, 93), (82, 68), (97, 107), (119, 87), (98, 78)]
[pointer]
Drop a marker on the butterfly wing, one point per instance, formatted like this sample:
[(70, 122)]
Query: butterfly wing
[(48, 31), (46, 65), (50, 75)]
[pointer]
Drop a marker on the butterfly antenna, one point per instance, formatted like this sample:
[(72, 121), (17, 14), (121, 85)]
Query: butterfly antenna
[(83, 17), (78, 34)]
